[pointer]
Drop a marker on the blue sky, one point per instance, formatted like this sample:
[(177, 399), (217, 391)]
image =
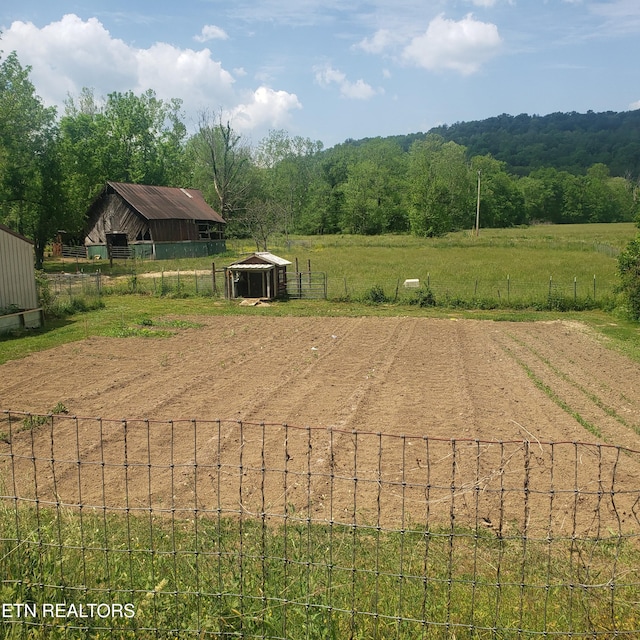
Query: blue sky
[(331, 70)]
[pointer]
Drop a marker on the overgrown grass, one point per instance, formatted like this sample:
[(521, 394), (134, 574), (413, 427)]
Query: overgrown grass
[(230, 577), (507, 267), (509, 274)]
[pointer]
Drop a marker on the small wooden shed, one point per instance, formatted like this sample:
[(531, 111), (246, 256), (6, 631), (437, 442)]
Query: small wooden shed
[(261, 275), (18, 292)]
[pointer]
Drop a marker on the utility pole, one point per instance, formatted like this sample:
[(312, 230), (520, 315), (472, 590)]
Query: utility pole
[(478, 207)]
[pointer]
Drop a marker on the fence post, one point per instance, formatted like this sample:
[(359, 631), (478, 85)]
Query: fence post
[(575, 289), (195, 275), (594, 286), (213, 273), (508, 289)]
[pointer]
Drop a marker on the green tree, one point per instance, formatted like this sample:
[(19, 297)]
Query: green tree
[(441, 187), (130, 138), (288, 169), (543, 195), (373, 191), (501, 200), (32, 200), (629, 272)]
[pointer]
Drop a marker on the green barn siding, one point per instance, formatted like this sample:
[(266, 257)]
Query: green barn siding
[(164, 250)]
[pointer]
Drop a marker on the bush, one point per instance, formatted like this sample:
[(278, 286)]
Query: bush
[(424, 298), (629, 271), (375, 295)]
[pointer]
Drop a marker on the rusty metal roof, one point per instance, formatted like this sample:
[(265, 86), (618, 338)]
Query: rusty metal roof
[(166, 203)]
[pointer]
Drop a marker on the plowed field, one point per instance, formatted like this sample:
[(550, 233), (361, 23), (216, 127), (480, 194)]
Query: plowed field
[(446, 379)]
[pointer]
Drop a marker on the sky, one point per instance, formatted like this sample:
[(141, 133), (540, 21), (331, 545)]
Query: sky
[(330, 70)]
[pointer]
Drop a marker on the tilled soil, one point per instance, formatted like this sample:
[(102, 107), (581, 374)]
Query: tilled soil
[(383, 420)]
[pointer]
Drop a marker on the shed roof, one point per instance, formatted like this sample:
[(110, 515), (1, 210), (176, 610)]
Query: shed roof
[(260, 260), (166, 203)]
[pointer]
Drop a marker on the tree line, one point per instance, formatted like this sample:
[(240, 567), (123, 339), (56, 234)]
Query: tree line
[(566, 141), (53, 165)]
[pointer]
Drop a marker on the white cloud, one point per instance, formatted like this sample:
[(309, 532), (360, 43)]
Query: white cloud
[(359, 90), (211, 32), (634, 105), (182, 73), (380, 41), (265, 108), (462, 46), (70, 54)]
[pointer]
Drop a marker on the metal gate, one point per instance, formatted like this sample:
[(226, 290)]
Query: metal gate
[(307, 284)]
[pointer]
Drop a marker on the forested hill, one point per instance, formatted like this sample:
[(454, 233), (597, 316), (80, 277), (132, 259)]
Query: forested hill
[(566, 141)]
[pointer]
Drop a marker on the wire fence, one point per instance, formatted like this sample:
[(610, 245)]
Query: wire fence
[(426, 291), (189, 528), (552, 293), (204, 282)]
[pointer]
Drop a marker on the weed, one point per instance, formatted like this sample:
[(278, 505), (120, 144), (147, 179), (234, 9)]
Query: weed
[(375, 295), (34, 421), (423, 297)]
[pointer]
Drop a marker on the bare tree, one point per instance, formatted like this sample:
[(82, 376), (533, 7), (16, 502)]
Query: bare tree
[(261, 219), (225, 158)]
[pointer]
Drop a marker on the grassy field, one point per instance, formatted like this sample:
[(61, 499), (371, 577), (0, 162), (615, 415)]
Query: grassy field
[(503, 274), (505, 267)]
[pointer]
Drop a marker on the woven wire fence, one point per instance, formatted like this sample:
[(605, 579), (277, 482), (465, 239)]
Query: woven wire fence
[(171, 283), (140, 528), (554, 293)]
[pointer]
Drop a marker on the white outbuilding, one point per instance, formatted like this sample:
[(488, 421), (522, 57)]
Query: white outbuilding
[(18, 292)]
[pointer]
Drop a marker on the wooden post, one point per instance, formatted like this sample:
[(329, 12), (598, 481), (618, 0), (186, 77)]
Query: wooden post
[(214, 289)]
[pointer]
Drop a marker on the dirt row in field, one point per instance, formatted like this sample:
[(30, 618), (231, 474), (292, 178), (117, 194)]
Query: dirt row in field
[(445, 379)]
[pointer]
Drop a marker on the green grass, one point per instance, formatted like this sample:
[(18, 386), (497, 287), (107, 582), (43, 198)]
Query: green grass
[(523, 259), (467, 277), (248, 578)]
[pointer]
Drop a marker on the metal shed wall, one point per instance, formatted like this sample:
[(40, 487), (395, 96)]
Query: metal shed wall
[(17, 272)]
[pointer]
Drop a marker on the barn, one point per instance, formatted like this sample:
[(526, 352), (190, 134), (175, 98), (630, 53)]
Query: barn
[(142, 221), (261, 275), (18, 292)]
